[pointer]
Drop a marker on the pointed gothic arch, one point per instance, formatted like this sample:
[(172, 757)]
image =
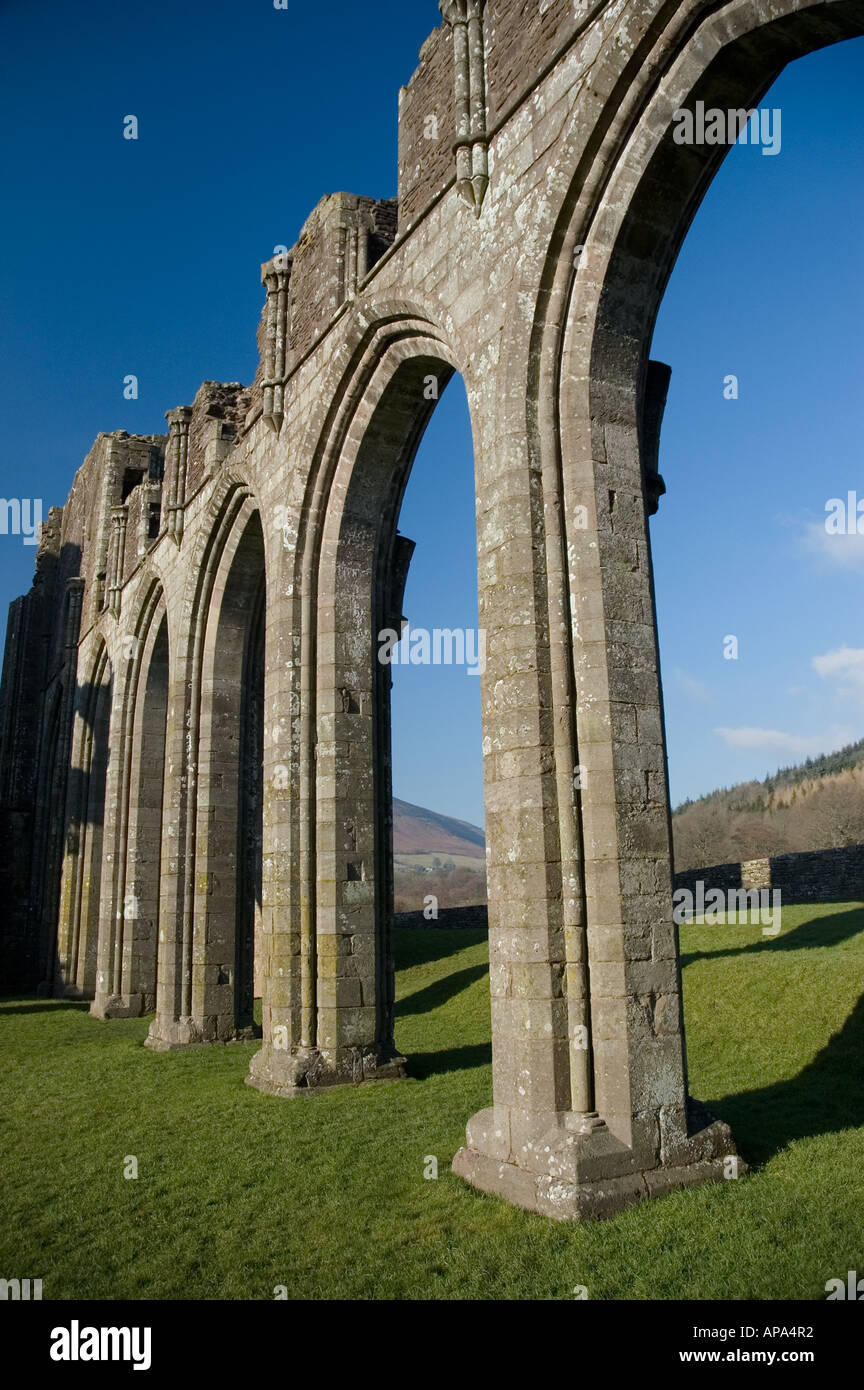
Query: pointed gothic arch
[(328, 1010), (211, 879)]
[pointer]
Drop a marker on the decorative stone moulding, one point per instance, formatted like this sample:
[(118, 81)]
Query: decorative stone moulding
[(117, 557), (276, 279), (178, 450), (470, 147)]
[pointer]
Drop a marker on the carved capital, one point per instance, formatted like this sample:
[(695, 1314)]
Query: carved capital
[(461, 11), (178, 419)]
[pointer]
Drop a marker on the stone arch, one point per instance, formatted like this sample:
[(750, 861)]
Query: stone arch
[(592, 417), (636, 229), (328, 1010), (84, 830), (219, 665), (129, 923), (230, 683)]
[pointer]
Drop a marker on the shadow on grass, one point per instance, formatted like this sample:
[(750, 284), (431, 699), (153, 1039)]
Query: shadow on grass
[(817, 932), (827, 1096), (434, 995), (412, 946), (424, 1064), (39, 1006)]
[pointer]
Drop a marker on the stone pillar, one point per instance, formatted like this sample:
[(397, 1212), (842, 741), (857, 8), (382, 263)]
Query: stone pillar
[(78, 933), (328, 1014), (326, 1017), (284, 971), (177, 453), (589, 1091), (59, 779), (117, 557), (469, 66), (107, 1002), (172, 1026), (276, 278)]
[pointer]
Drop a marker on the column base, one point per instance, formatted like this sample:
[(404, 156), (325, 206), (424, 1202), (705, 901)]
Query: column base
[(117, 1006), (74, 992), (575, 1171), (167, 1034), (304, 1072)]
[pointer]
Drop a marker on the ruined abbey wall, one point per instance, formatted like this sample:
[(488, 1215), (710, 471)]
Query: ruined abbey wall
[(194, 774)]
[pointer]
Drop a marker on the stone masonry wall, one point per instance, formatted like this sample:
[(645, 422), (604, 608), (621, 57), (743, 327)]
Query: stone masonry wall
[(426, 128), (218, 412), (320, 260), (449, 919), (822, 875), (523, 36)]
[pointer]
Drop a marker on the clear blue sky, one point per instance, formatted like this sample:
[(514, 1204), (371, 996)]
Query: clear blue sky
[(142, 257)]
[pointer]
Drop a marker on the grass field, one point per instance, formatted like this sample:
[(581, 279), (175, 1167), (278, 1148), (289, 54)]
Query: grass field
[(238, 1193)]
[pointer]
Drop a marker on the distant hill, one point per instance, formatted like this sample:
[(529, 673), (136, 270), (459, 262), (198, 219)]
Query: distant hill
[(826, 765), (419, 831), (817, 804), (436, 856)]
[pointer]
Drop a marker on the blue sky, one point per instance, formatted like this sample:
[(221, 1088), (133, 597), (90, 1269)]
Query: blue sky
[(143, 256)]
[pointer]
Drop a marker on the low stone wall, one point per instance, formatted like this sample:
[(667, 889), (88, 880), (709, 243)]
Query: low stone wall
[(822, 875), (814, 876), (473, 918)]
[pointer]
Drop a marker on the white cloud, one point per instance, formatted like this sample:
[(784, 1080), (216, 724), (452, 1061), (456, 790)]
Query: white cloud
[(842, 660), (845, 667), (838, 552), (775, 741)]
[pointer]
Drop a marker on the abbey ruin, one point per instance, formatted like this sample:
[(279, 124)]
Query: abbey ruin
[(195, 767)]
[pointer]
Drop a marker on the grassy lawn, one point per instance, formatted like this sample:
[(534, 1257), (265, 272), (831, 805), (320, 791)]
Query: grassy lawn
[(239, 1192)]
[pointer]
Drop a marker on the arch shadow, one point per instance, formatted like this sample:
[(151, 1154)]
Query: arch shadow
[(826, 1097), (810, 935)]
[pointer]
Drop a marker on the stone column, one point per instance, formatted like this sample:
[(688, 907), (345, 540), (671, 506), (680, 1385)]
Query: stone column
[(326, 1020), (172, 1026), (107, 1002), (51, 908), (283, 970), (590, 1110), (276, 278), (117, 557), (469, 94), (84, 824), (178, 449)]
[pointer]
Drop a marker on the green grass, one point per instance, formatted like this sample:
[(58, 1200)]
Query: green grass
[(239, 1192)]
